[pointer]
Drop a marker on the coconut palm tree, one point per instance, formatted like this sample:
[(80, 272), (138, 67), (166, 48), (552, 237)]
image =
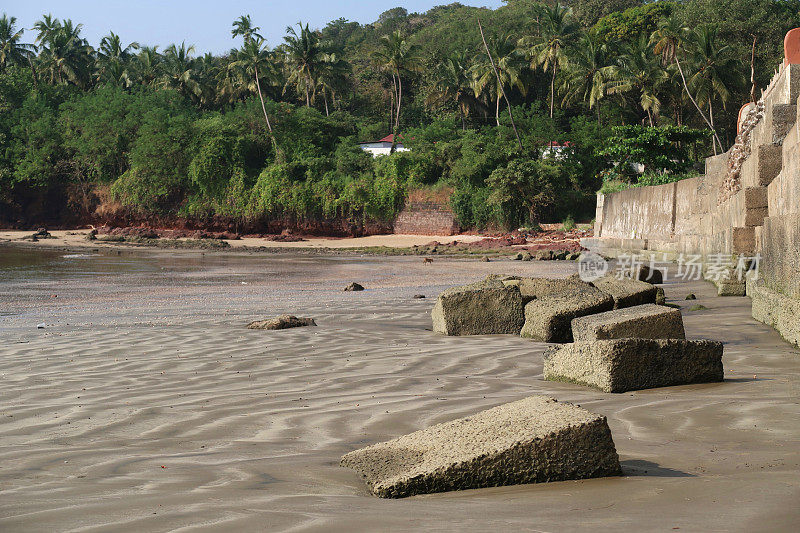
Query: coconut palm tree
[(639, 72), (147, 65), (509, 63), (669, 41), (12, 51), (557, 29), (114, 57), (332, 74), (243, 26), (303, 54), (179, 71), (253, 61), (399, 57), (587, 74), (65, 55), (716, 74), (453, 83)]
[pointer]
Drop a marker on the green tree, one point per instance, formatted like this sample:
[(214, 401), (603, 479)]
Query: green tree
[(639, 72), (452, 83), (64, 54), (12, 51), (509, 65), (179, 71), (587, 74), (526, 186), (304, 55)]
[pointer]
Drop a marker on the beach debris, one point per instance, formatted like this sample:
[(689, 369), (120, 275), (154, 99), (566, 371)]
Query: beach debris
[(41, 326), (282, 322), (690, 297), (548, 318), (353, 287), (485, 259), (484, 308), (649, 321), (419, 296), (534, 440), (698, 307), (533, 288), (620, 365), (626, 292)]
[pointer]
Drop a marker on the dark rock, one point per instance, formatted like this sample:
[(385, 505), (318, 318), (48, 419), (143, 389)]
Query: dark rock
[(282, 322), (353, 287)]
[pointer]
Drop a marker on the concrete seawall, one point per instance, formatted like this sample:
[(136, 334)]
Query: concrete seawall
[(746, 204)]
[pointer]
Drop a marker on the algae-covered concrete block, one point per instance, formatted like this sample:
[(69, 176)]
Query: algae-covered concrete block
[(647, 321), (627, 292), (621, 365), (549, 319), (534, 440), (485, 308)]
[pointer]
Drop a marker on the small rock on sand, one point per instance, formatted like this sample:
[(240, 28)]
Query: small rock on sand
[(353, 287), (419, 296), (282, 322)]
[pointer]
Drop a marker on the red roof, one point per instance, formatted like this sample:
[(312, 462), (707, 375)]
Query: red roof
[(390, 138), (554, 144)]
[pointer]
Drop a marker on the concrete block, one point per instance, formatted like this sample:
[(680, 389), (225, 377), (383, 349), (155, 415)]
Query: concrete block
[(626, 292), (484, 308), (755, 197), (621, 365), (549, 319), (534, 440), (647, 321), (755, 217), (743, 240), (776, 310)]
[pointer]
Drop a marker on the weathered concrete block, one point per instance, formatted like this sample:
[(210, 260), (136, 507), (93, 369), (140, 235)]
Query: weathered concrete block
[(647, 321), (731, 287), (485, 308), (626, 292), (549, 319), (743, 240), (621, 365), (768, 163), (534, 440), (650, 275), (282, 322), (755, 216), (776, 310), (755, 197), (533, 288)]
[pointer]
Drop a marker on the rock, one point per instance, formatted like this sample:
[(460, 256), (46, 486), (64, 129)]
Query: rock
[(661, 298), (353, 287), (533, 288), (484, 308), (526, 256), (691, 297), (282, 322), (548, 319), (732, 287), (518, 257), (698, 307), (621, 365), (92, 235), (650, 275), (419, 296), (534, 440), (647, 321), (626, 292), (485, 259)]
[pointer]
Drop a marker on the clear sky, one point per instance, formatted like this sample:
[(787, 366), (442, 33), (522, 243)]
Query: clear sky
[(204, 23)]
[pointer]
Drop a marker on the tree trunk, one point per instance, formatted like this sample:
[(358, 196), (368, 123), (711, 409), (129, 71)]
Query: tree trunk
[(397, 118), (497, 109), (266, 117), (711, 118), (552, 89), (325, 97)]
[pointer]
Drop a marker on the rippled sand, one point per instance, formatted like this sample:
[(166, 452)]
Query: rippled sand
[(145, 404)]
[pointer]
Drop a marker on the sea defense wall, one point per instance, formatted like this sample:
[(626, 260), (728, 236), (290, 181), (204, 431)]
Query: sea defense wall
[(747, 203), (426, 218)]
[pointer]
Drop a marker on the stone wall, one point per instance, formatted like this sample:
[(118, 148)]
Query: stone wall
[(426, 218), (746, 203)]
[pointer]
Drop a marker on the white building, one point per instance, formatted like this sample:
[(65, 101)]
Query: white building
[(383, 146)]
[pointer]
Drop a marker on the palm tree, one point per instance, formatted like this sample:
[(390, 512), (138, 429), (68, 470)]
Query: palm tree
[(113, 56), (716, 72), (332, 74), (669, 41), (255, 55), (147, 65), (244, 26), (588, 72), (65, 55), (397, 56), (556, 28), (509, 64), (640, 73), (179, 72), (453, 83), (304, 54), (12, 51)]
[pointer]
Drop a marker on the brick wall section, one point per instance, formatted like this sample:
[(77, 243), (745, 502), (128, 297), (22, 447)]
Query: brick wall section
[(425, 218)]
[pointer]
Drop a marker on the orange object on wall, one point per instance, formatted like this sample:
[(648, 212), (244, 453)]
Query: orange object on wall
[(791, 47)]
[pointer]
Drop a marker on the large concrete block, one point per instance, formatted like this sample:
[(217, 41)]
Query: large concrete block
[(755, 216), (755, 197), (533, 288), (647, 321), (549, 319), (626, 292), (484, 308), (621, 365), (776, 310), (534, 440), (743, 240)]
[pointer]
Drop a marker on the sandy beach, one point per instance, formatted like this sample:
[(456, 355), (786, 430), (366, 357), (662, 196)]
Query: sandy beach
[(144, 404)]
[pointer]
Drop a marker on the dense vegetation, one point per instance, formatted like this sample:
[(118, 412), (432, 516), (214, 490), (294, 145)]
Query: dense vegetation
[(267, 136)]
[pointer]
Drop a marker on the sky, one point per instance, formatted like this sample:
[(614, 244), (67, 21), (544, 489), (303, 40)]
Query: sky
[(204, 23)]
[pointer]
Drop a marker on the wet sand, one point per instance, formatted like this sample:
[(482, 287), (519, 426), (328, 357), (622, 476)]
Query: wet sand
[(145, 404)]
